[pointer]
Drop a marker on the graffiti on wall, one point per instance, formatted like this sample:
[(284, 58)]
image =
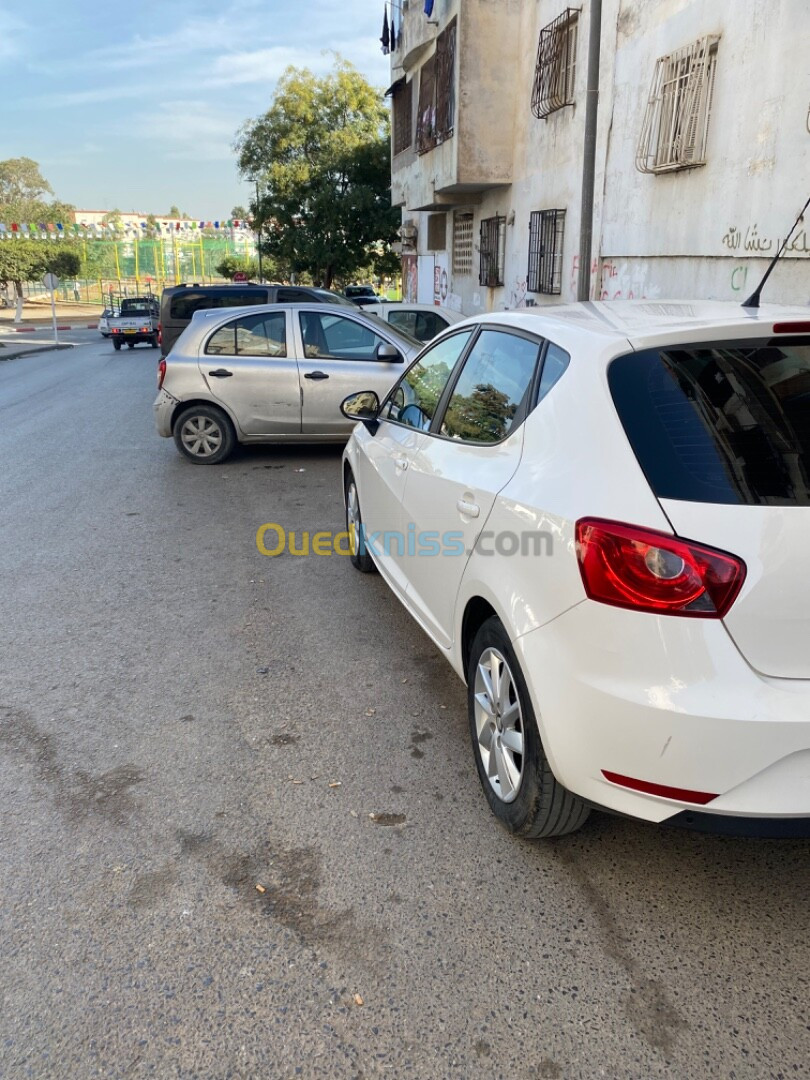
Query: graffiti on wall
[(517, 296), (617, 279), (750, 240)]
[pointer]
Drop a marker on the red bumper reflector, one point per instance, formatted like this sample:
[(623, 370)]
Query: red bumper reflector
[(700, 798)]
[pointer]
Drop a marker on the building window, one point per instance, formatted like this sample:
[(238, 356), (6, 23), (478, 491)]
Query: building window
[(546, 229), (437, 93), (437, 232), (556, 66), (676, 123), (493, 242), (402, 100), (462, 242)]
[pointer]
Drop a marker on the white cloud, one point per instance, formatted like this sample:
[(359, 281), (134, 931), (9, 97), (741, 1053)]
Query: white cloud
[(12, 29)]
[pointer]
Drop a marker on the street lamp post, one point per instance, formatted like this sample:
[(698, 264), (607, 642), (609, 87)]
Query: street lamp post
[(259, 234)]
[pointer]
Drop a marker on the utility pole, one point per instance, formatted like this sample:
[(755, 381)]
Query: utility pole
[(259, 234), (589, 153)]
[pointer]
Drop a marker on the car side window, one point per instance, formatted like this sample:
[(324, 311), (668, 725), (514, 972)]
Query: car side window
[(428, 325), (403, 320), (329, 336), (554, 364), (415, 398), (292, 296), (253, 335), (492, 387)]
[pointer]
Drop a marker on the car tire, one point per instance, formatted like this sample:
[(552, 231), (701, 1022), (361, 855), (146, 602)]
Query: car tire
[(360, 559), (116, 345), (209, 430), (520, 787), (130, 344), (153, 342)]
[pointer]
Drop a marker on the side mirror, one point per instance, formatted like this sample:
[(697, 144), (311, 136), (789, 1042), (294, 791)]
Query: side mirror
[(363, 406), (390, 353)]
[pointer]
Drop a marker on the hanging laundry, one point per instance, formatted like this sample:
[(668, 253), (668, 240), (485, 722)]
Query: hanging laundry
[(428, 8), (394, 41), (386, 37)]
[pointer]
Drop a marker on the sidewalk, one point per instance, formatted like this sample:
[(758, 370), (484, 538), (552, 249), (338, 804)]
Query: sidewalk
[(37, 316), (29, 348)]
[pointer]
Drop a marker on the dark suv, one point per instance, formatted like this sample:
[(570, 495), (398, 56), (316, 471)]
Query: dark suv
[(179, 302)]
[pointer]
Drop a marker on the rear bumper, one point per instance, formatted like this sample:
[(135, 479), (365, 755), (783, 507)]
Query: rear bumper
[(667, 702), (164, 406), (117, 335)]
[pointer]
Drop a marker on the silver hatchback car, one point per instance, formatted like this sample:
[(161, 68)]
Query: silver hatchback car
[(275, 373)]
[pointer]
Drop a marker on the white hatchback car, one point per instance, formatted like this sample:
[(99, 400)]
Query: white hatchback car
[(600, 513)]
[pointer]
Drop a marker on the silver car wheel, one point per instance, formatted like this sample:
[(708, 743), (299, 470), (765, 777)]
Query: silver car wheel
[(201, 436), (499, 725), (352, 516)]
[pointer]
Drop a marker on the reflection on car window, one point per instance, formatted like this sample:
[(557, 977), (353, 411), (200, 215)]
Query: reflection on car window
[(329, 336), (554, 365), (491, 387), (252, 335), (415, 398)]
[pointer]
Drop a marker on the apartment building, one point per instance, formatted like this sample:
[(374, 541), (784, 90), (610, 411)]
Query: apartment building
[(702, 151)]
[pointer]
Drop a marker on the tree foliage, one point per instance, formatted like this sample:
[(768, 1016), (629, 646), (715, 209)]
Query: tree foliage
[(27, 260), (231, 265), (321, 157), (25, 194)]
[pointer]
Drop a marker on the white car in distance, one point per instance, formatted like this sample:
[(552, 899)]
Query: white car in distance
[(600, 514)]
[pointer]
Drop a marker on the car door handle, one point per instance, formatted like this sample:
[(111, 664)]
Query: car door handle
[(316, 375), (401, 463), (470, 509), (221, 373)]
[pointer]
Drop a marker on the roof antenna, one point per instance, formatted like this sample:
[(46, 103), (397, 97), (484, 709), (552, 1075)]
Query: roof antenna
[(753, 299)]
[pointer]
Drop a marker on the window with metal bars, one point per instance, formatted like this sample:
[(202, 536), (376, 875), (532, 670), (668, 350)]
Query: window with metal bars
[(491, 251), (676, 122), (437, 93), (546, 232), (462, 242), (403, 117), (556, 67)]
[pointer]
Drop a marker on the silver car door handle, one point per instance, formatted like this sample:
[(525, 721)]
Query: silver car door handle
[(316, 375), (221, 373), (470, 509), (401, 463)]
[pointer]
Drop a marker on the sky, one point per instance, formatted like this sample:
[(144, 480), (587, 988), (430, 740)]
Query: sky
[(136, 107)]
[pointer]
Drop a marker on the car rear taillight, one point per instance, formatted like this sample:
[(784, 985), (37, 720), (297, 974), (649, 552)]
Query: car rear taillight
[(161, 373), (646, 570)]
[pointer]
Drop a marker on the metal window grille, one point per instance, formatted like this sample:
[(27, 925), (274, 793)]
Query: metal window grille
[(445, 82), (491, 253), (462, 242), (676, 122), (437, 93), (437, 232), (555, 70), (546, 232), (403, 117)]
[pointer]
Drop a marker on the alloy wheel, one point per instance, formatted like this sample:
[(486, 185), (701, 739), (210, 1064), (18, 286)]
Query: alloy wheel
[(499, 724)]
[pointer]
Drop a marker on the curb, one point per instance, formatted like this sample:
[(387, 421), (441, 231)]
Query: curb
[(38, 349)]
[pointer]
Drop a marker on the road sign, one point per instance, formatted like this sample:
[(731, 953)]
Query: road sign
[(51, 282), (240, 275)]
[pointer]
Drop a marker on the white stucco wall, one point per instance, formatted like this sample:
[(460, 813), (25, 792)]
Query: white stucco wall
[(707, 231)]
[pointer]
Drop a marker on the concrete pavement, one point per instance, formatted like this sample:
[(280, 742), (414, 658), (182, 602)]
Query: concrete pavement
[(193, 741)]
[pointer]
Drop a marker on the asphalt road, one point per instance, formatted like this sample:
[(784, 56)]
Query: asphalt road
[(174, 712)]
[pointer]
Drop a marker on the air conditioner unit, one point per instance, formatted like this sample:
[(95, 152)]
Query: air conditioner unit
[(408, 233)]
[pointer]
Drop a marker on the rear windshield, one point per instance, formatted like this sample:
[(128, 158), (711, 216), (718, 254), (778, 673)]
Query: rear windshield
[(720, 422), (184, 304)]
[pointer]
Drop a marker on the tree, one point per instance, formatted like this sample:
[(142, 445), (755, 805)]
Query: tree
[(25, 194), (26, 260), (232, 264), (321, 157), (239, 213), (174, 212)]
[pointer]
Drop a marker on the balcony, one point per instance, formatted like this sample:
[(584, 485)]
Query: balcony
[(462, 103)]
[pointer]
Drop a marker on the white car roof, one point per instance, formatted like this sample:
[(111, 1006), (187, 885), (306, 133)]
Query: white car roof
[(647, 323), (403, 305)]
